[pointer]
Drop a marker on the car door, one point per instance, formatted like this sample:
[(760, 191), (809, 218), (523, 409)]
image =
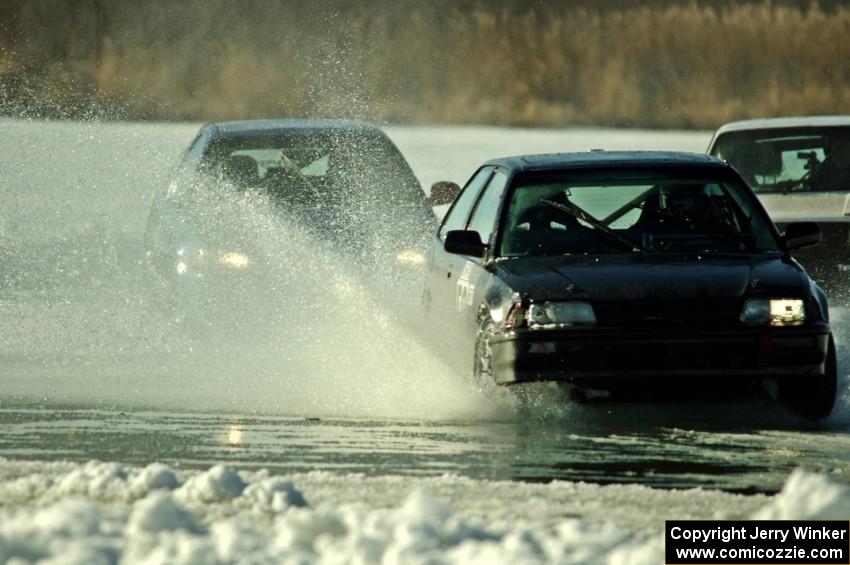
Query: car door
[(444, 268), (474, 276), (461, 276)]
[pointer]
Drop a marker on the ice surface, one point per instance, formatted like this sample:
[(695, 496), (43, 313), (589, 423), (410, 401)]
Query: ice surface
[(105, 513)]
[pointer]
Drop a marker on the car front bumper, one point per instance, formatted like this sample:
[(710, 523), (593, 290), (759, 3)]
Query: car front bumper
[(601, 357)]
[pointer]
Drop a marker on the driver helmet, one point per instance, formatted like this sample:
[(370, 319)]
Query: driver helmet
[(688, 201)]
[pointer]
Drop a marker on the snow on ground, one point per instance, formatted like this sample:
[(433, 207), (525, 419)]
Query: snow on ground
[(105, 513)]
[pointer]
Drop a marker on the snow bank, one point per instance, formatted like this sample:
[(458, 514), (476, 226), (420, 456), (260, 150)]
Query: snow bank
[(105, 513), (809, 496)]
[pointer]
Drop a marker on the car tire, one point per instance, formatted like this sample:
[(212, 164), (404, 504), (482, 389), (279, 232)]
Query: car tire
[(813, 398), (482, 367)]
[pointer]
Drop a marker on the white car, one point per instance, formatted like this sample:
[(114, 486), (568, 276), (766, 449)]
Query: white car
[(800, 170)]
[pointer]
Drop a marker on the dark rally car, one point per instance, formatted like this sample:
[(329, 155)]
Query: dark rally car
[(617, 272)]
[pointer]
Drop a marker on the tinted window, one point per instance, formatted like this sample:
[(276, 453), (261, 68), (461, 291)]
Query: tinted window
[(487, 208), (456, 218)]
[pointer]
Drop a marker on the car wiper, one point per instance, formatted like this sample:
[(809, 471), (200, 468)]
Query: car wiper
[(595, 224), (316, 194), (800, 185)]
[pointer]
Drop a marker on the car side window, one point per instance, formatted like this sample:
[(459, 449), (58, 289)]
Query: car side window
[(487, 209), (457, 216), (195, 152), (191, 158)]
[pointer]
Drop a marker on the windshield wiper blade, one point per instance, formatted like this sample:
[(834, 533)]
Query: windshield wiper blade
[(595, 224)]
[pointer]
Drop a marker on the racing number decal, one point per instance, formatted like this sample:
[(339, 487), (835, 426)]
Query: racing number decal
[(465, 289)]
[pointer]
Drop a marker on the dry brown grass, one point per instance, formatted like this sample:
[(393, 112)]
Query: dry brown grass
[(673, 65)]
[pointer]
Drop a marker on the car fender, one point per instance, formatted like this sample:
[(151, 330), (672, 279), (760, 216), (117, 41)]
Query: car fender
[(824, 207), (821, 301), (496, 301)]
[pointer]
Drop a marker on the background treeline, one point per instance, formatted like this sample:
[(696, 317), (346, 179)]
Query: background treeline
[(517, 62)]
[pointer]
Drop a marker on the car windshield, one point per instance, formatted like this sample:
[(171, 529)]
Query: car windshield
[(791, 159), (642, 211), (328, 168)]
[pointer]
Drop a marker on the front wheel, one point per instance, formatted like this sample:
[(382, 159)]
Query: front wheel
[(813, 397), (482, 368)]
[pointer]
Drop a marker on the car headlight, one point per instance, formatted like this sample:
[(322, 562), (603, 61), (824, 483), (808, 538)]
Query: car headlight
[(774, 311), (548, 315), (190, 257), (410, 257), (234, 260)]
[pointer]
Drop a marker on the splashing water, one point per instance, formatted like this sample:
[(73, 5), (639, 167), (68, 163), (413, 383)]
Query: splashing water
[(80, 322)]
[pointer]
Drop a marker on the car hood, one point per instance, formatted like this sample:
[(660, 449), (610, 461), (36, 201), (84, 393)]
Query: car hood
[(616, 278), (807, 206)]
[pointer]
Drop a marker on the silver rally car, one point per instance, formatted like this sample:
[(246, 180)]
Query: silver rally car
[(342, 182), (800, 170)]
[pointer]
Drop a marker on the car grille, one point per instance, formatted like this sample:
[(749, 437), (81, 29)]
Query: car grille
[(680, 313), (649, 355)]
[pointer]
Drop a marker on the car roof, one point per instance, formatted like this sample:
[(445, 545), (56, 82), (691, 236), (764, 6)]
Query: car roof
[(605, 159), (785, 123), (243, 128)]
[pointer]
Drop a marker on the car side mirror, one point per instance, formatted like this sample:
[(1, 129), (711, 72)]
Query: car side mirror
[(461, 242), (802, 234), (444, 192)]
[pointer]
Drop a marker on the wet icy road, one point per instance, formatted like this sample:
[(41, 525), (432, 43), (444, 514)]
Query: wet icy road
[(91, 371), (612, 444)]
